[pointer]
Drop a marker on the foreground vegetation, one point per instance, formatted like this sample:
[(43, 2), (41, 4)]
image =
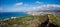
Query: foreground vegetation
[(55, 19), (32, 21)]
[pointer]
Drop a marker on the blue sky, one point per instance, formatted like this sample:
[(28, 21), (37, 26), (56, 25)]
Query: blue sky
[(24, 5)]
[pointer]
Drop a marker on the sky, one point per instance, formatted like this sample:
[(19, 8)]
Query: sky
[(28, 5)]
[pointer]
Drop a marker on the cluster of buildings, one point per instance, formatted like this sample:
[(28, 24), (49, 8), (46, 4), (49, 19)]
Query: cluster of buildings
[(40, 13)]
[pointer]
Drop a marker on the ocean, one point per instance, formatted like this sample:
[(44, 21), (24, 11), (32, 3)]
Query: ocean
[(4, 15)]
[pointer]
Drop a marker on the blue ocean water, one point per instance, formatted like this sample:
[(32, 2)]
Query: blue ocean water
[(4, 15)]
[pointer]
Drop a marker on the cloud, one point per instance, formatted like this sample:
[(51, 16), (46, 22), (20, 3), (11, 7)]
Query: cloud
[(19, 4), (1, 8), (50, 7), (37, 2), (33, 8), (26, 5), (47, 7), (16, 10)]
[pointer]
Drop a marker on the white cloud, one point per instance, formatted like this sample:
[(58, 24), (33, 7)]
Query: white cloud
[(51, 6), (19, 4), (33, 8), (37, 2), (1, 8), (26, 5), (47, 7), (16, 9)]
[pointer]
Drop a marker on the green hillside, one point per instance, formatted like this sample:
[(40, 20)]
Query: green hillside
[(32, 21), (55, 19)]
